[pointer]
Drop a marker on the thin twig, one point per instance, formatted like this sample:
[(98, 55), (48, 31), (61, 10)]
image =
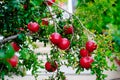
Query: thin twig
[(73, 34), (51, 16), (1, 68), (54, 21), (84, 26), (72, 37)]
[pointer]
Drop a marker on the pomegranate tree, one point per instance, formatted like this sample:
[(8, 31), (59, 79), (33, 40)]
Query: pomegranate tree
[(25, 22)]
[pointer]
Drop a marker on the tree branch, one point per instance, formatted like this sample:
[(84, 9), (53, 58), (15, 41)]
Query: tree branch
[(12, 37), (9, 38)]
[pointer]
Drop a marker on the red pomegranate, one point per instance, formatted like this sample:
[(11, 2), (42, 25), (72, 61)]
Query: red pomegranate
[(13, 61), (68, 29), (33, 26), (117, 61), (85, 62), (51, 67), (91, 45), (64, 44), (84, 52), (45, 21), (50, 2), (15, 46), (55, 38)]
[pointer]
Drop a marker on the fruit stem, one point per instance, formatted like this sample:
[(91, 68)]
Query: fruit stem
[(72, 37), (57, 73)]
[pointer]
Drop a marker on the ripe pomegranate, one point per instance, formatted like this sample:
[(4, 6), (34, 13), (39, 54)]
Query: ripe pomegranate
[(55, 38), (21, 29), (50, 2), (25, 6), (91, 46), (33, 26), (45, 21), (15, 46), (13, 61), (85, 62), (68, 30), (64, 44), (84, 52), (117, 61), (51, 67)]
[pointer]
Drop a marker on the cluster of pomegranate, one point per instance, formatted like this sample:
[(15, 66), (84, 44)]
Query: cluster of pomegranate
[(86, 60), (55, 38), (63, 43)]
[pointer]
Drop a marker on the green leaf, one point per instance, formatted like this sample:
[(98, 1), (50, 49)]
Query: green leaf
[(104, 76), (21, 37), (9, 51), (36, 2), (2, 54), (7, 64), (25, 53), (2, 75), (108, 53), (78, 71)]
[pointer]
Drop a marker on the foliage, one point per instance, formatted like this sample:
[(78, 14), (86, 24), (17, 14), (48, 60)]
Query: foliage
[(104, 55), (100, 15), (14, 17)]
